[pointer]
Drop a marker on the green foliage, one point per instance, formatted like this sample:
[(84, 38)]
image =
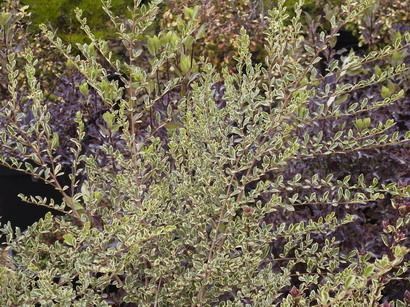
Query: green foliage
[(192, 218), (381, 20), (59, 15), (222, 22), (12, 34)]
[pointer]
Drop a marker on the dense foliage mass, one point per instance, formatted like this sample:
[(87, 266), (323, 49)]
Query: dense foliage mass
[(278, 179)]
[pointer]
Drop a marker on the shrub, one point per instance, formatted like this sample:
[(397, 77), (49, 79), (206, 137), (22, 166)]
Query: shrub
[(222, 21), (12, 40), (16, 38), (59, 14), (382, 19), (208, 202)]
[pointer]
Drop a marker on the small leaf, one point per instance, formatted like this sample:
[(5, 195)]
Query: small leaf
[(349, 281), (309, 49), (265, 252), (290, 77), (391, 87), (201, 31), (78, 206), (154, 44), (359, 124), (188, 12), (385, 240), (337, 135), (377, 71), (360, 180), (347, 195), (4, 18), (189, 41), (366, 122), (109, 119), (340, 194), (400, 251), (55, 142), (324, 296), (385, 92), (352, 107), (84, 89), (330, 101), (342, 98), (172, 126), (329, 178), (185, 64), (69, 239), (368, 270), (98, 196)]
